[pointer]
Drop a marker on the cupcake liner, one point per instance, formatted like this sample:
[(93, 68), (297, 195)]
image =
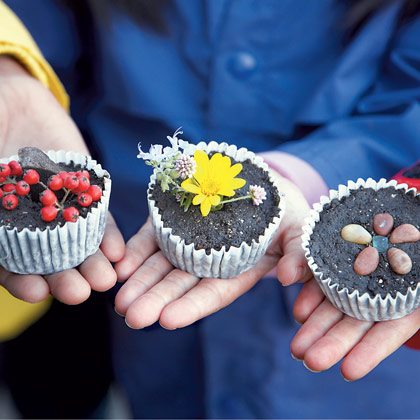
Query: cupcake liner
[(219, 263), (362, 307), (49, 251)]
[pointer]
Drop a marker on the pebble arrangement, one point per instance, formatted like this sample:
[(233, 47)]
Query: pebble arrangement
[(367, 260)]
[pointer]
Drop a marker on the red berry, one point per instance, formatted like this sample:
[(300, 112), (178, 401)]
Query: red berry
[(63, 175), (85, 173), (10, 202), (47, 198), (95, 192), (55, 183), (2, 179), (9, 188), (15, 168), (71, 182), (71, 214), (4, 170), (49, 213), (22, 188), (84, 199), (31, 176), (1, 193), (84, 184)]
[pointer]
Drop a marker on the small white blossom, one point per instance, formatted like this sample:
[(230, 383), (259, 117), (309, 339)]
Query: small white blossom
[(258, 194), (155, 153), (174, 139), (188, 148), (185, 166)]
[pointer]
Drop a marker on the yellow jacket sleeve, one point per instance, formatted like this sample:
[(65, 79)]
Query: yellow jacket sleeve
[(15, 40)]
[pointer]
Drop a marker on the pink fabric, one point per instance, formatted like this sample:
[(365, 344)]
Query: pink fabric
[(299, 172)]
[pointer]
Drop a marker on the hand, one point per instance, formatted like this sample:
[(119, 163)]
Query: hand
[(327, 336), (155, 291), (31, 116)]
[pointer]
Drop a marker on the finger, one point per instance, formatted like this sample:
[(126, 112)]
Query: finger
[(211, 295), (113, 245), (98, 272), (30, 288), (150, 273), (322, 319), (381, 340), (336, 343), (293, 268), (140, 247), (147, 308), (69, 287), (309, 298)]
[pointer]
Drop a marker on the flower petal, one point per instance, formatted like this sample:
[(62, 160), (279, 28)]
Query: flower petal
[(226, 191), (201, 159), (205, 207), (237, 183), (215, 200), (188, 185), (198, 199), (235, 170)]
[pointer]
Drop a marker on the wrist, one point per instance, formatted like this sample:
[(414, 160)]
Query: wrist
[(10, 67)]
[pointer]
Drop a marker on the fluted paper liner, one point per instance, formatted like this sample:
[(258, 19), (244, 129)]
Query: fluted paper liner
[(363, 307), (219, 263), (49, 251)]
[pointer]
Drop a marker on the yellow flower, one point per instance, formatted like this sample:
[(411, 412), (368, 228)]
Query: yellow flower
[(213, 179)]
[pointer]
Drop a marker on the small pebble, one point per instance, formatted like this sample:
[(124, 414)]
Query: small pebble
[(367, 261), (356, 234), (405, 233), (383, 223), (399, 261), (380, 243)]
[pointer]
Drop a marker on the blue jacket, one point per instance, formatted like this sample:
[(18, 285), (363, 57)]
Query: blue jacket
[(268, 74)]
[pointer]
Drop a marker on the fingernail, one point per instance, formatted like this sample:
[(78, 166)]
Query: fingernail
[(310, 370), (347, 380), (298, 274), (115, 309), (129, 326), (295, 358), (166, 328)]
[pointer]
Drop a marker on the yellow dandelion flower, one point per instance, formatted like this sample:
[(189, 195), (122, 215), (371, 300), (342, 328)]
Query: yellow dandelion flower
[(213, 179)]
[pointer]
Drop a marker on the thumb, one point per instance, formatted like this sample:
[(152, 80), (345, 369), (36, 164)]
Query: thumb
[(292, 266)]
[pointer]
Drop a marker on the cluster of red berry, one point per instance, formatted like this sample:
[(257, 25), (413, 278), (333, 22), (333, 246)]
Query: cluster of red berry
[(77, 183)]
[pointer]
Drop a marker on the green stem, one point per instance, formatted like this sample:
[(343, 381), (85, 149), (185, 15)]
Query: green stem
[(244, 197)]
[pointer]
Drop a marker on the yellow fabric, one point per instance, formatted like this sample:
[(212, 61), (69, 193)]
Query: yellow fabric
[(15, 40), (16, 315)]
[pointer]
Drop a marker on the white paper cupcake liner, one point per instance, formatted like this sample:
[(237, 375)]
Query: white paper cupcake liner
[(222, 263), (52, 250), (362, 307)]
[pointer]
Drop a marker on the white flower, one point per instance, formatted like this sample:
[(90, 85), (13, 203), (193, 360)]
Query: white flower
[(185, 165), (188, 148), (174, 139), (156, 153), (258, 194)]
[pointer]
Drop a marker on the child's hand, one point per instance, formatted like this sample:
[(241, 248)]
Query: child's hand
[(31, 116), (155, 291)]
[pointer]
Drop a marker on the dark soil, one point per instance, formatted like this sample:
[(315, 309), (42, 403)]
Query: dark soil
[(27, 213), (335, 256), (413, 172), (236, 222)]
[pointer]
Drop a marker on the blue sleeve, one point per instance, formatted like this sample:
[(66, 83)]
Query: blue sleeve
[(383, 134)]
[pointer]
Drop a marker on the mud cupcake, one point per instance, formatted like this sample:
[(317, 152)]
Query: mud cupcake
[(363, 245), (53, 210), (215, 208)]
